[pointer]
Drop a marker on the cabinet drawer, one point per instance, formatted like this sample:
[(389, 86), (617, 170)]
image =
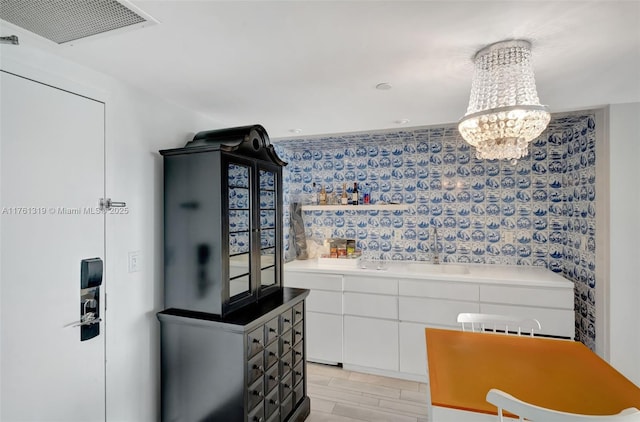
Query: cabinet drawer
[(255, 341), (271, 354), (286, 408), (286, 386), (555, 322), (271, 331), (297, 353), (313, 281), (287, 363), (298, 313), (257, 414), (298, 333), (272, 379), (298, 392), (439, 289), (434, 311), (322, 301), (255, 369), (298, 373), (529, 296), (256, 394), (371, 285), (286, 320), (369, 305), (286, 342), (271, 403)]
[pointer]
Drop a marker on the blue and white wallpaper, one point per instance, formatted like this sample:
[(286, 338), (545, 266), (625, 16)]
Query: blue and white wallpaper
[(540, 211)]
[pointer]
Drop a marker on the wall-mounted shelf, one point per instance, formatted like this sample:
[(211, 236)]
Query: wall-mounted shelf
[(370, 207)]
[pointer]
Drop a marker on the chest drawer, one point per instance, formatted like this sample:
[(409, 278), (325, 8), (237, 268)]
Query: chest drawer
[(255, 341), (255, 368), (271, 331)]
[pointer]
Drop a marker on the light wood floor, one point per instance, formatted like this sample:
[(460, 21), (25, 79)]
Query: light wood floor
[(338, 395)]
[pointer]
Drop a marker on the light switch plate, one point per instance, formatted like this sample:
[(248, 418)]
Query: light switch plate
[(134, 261)]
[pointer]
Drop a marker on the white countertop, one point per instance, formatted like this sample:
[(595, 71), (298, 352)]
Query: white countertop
[(519, 275)]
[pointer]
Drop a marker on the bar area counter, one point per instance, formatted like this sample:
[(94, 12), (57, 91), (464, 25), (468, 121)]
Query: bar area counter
[(397, 299)]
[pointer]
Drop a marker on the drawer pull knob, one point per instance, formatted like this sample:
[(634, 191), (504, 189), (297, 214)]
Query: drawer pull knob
[(272, 330), (298, 353), (259, 368), (256, 341), (258, 393), (298, 374), (287, 320), (258, 419), (275, 378), (272, 401)]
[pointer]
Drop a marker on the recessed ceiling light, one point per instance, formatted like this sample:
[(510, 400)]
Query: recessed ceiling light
[(295, 130), (402, 121), (383, 86)]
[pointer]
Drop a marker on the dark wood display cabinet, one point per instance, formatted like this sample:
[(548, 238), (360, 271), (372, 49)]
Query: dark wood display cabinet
[(232, 338)]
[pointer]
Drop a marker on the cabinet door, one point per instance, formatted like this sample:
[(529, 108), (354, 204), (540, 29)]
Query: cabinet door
[(269, 222), (371, 342), (413, 353), (324, 337), (240, 227)]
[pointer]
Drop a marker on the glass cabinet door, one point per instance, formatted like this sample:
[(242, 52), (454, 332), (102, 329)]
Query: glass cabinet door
[(239, 229), (268, 234)]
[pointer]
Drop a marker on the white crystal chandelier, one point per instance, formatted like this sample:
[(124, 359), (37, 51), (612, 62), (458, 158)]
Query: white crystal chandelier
[(504, 112)]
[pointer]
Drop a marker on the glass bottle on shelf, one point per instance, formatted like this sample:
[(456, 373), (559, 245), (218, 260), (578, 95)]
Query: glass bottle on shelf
[(323, 196), (344, 199), (354, 194)]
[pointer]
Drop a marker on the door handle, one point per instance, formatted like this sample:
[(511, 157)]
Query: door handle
[(106, 204), (87, 319)]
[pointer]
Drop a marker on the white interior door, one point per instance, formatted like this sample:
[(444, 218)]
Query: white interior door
[(51, 176)]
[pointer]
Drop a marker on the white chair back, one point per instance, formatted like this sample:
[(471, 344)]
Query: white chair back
[(530, 412), (498, 323)]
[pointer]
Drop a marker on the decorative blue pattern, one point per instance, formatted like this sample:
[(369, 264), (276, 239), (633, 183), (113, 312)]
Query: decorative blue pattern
[(539, 212)]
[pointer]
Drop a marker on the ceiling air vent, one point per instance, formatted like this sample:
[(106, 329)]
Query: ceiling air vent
[(64, 21)]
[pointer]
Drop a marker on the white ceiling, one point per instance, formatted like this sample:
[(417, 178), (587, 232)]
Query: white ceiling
[(314, 65)]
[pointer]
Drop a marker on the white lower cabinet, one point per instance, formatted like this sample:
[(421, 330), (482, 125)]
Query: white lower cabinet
[(371, 342), (413, 350), (376, 324), (324, 314), (324, 338)]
